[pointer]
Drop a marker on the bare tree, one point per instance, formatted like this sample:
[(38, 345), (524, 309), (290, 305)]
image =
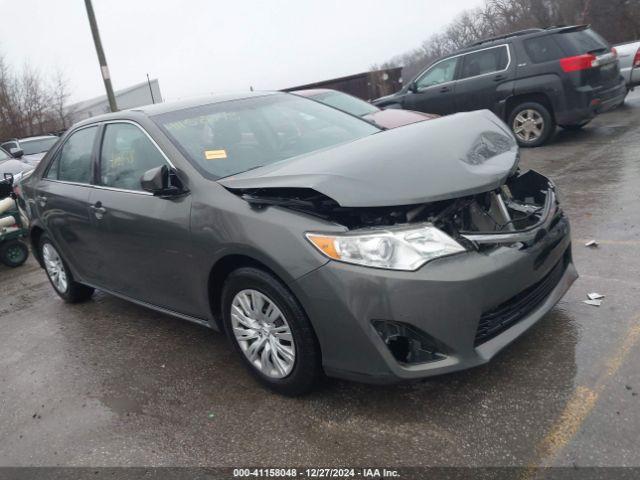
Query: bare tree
[(35, 100), (30, 105), (59, 97), (10, 116)]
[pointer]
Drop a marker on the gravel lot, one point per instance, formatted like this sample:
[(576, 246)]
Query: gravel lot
[(108, 383)]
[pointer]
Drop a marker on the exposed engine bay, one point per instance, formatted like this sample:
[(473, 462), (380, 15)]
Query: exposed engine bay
[(509, 214)]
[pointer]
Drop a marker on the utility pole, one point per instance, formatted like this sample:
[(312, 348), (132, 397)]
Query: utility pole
[(153, 100), (101, 58)]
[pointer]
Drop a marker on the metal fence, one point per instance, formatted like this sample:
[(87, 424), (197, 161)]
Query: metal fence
[(367, 85)]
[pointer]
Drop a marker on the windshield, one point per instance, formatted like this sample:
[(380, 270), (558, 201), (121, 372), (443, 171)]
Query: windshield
[(42, 145), (226, 138), (346, 103), (4, 155)]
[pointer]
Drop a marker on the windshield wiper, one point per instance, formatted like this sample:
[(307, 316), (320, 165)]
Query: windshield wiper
[(243, 171)]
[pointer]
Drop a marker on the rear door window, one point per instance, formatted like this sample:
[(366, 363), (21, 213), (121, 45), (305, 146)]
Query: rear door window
[(543, 49), (73, 163), (486, 61)]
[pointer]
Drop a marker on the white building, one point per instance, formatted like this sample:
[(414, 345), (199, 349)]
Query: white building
[(135, 96)]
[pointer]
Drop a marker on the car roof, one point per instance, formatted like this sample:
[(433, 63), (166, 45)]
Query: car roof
[(167, 107), (521, 35)]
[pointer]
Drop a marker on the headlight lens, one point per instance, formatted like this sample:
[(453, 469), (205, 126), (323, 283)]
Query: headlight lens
[(405, 248)]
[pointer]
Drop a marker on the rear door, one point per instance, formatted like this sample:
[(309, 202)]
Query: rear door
[(484, 79), (62, 202), (145, 246), (434, 90)]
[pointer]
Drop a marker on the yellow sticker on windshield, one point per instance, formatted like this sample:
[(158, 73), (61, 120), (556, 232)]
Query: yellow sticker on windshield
[(215, 154)]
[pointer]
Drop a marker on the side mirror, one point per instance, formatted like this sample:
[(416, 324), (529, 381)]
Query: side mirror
[(162, 182), (16, 152)]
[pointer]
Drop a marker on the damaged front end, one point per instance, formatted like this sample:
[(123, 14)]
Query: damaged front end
[(518, 213)]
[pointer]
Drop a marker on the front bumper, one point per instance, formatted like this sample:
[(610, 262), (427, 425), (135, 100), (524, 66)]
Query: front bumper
[(446, 299)]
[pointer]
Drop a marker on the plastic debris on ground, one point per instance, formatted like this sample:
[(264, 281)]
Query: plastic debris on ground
[(591, 243), (595, 296), (595, 303)]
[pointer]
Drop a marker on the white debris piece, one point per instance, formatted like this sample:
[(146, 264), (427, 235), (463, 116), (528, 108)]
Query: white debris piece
[(591, 243), (594, 296), (595, 303)]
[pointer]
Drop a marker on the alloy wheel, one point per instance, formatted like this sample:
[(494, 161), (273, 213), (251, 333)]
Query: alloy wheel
[(528, 125), (55, 268), (263, 333)]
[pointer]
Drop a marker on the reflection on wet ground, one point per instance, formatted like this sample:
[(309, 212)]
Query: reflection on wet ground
[(111, 383)]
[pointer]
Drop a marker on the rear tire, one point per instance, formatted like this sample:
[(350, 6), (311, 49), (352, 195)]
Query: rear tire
[(532, 124), (59, 275), (271, 332), (13, 253)]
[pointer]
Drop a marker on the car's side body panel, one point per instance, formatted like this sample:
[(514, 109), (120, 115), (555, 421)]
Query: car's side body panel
[(63, 210), (145, 251)]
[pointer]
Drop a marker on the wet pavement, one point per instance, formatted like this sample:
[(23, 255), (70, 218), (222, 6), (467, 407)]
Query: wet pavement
[(108, 383)]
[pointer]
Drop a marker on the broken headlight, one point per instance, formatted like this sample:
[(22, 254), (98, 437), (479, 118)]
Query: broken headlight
[(406, 248)]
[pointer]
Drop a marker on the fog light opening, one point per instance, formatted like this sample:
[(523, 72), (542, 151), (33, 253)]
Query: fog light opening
[(408, 344)]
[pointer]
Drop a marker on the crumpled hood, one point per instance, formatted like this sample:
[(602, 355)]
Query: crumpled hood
[(453, 156)]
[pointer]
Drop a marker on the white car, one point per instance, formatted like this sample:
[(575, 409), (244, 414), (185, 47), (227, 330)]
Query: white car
[(629, 58), (15, 167), (30, 149)]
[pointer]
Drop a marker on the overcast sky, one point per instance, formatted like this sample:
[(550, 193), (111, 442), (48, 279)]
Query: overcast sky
[(196, 47)]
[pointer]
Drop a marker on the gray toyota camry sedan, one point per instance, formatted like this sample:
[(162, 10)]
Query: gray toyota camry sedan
[(321, 244)]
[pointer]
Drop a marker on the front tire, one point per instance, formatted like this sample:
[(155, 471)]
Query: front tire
[(532, 124), (271, 332), (59, 274)]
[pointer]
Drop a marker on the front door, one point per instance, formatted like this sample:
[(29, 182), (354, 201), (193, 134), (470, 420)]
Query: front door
[(434, 91), (62, 202), (145, 247)]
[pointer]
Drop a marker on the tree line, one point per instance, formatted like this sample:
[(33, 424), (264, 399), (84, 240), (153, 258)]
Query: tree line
[(617, 21), (31, 104)]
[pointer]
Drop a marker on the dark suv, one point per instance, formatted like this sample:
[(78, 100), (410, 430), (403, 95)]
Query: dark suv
[(533, 79)]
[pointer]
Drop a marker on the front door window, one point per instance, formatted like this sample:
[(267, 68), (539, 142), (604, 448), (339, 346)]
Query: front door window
[(127, 153), (442, 72)]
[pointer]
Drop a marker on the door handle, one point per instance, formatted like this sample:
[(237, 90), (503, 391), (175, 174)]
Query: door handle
[(98, 210), (499, 78), (41, 200), (445, 90)]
